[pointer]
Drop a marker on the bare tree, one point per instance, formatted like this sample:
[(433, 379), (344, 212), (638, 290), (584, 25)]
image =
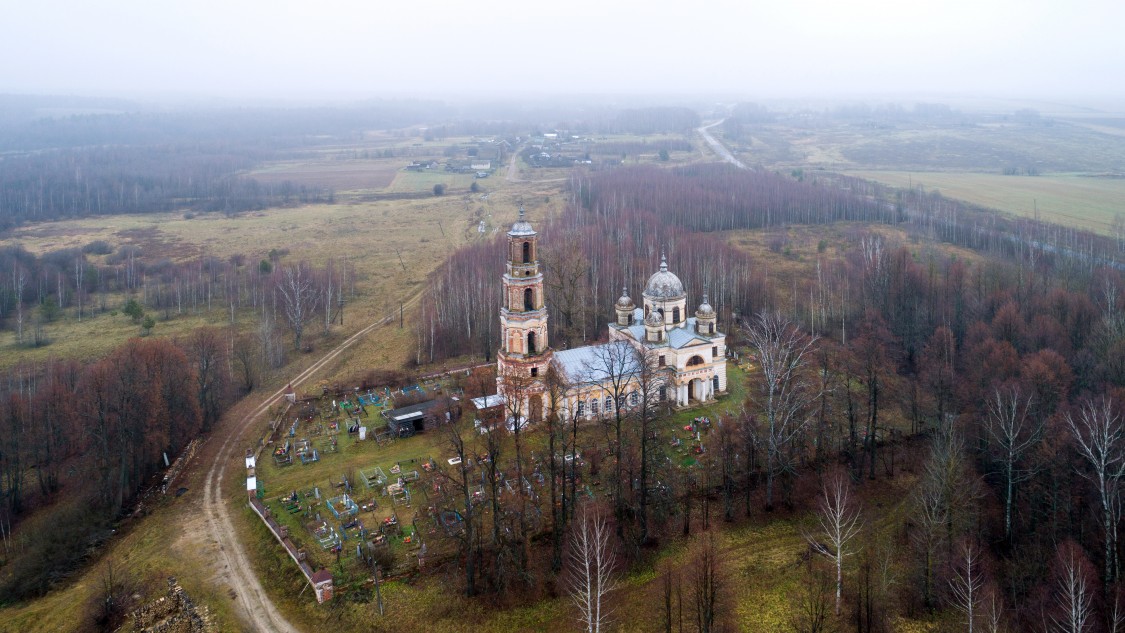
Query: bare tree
[(1073, 595), (841, 521), (1100, 438), (614, 367), (810, 609), (706, 585), (967, 583), (1008, 425), (19, 282), (930, 518), (592, 570), (786, 390), (299, 297)]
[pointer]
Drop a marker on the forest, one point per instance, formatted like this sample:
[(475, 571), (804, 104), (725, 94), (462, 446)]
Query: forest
[(997, 381)]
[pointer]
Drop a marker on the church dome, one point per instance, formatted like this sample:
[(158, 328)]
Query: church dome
[(522, 226), (654, 319), (664, 284), (625, 303), (705, 309)]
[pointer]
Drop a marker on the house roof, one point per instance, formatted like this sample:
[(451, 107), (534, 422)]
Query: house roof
[(487, 402), (410, 412), (598, 363), (321, 576)]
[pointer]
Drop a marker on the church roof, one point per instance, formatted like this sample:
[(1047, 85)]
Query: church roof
[(678, 337), (597, 363), (664, 284), (521, 227)]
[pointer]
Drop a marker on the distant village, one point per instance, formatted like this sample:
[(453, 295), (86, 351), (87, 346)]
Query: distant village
[(482, 156)]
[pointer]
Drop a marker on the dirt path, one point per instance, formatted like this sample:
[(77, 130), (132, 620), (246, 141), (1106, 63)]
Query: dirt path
[(257, 611)]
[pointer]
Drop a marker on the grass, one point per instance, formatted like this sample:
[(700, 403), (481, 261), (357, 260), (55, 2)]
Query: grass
[(1069, 199)]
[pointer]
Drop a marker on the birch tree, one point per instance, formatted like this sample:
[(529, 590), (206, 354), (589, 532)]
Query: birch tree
[(592, 571), (1008, 425), (841, 521), (1073, 594), (786, 391), (299, 298), (967, 583), (1100, 439)]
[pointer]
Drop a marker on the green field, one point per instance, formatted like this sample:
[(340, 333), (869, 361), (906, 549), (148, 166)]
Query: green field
[(1087, 201)]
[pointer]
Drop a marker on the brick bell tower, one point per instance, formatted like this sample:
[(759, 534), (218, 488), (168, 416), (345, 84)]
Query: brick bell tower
[(524, 352)]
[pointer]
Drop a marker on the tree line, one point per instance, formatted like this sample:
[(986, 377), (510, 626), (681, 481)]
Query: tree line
[(82, 440)]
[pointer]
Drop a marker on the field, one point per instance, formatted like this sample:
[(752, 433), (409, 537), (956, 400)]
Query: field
[(348, 175), (1088, 201)]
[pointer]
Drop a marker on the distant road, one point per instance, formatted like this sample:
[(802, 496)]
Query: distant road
[(718, 147)]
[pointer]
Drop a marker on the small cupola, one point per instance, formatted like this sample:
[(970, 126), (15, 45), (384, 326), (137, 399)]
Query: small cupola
[(705, 317), (624, 308)]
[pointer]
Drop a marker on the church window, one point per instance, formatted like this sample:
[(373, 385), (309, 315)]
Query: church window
[(676, 314), (608, 404), (594, 406), (581, 408), (633, 399), (531, 342), (528, 299), (621, 401), (695, 360), (711, 327), (527, 252), (534, 372), (715, 382), (715, 352), (663, 394), (662, 362)]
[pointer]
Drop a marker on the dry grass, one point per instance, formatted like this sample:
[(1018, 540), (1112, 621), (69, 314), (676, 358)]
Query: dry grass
[(1089, 202)]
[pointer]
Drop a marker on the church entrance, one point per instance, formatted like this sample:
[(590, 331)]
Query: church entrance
[(697, 391)]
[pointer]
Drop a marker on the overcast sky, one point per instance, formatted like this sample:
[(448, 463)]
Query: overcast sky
[(764, 48)]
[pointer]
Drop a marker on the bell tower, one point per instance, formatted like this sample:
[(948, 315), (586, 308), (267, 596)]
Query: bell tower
[(524, 351)]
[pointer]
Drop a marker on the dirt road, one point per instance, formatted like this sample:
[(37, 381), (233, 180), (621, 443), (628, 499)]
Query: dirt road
[(258, 613), (719, 148)]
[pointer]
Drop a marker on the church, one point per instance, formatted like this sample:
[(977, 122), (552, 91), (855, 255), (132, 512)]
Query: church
[(685, 356)]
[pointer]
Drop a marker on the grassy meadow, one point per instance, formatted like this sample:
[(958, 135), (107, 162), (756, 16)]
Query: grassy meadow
[(1090, 202)]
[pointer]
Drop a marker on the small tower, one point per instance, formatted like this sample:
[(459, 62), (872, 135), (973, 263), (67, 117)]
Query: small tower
[(705, 318), (654, 327), (524, 351), (625, 308)]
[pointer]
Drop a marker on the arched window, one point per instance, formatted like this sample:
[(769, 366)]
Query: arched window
[(621, 401), (581, 408), (633, 399), (608, 404), (594, 406), (715, 382), (695, 360), (528, 300), (531, 342), (527, 252), (711, 326), (676, 314)]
